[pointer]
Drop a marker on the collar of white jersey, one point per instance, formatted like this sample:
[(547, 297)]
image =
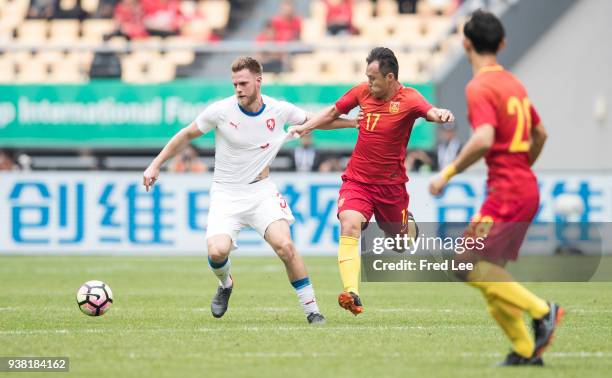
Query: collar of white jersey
[(253, 114)]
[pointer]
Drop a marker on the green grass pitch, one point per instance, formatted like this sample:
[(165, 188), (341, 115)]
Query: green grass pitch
[(160, 324)]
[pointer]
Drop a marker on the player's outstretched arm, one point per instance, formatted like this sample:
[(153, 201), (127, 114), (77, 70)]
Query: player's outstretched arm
[(340, 123), (325, 117), (476, 147), (538, 138), (438, 115), (178, 142)]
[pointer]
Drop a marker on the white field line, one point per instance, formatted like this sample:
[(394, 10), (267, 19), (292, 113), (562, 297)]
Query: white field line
[(577, 354)]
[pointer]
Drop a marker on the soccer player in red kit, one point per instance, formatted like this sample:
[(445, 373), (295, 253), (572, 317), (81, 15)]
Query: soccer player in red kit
[(374, 182), (508, 133)]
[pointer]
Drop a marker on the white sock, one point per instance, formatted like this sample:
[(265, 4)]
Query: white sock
[(222, 271), (306, 295)]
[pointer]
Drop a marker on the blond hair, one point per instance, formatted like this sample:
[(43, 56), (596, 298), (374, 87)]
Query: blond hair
[(246, 62)]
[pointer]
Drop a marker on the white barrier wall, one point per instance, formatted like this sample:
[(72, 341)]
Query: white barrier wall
[(102, 212)]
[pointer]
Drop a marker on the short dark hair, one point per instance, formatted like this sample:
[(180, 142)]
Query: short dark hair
[(247, 62), (387, 62), (485, 31)]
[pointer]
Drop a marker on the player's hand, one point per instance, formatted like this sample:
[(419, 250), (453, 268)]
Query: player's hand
[(150, 176), (360, 116), (445, 115), (437, 184), (297, 131)]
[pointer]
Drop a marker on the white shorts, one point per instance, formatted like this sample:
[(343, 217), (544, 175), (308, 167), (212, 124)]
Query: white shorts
[(256, 205)]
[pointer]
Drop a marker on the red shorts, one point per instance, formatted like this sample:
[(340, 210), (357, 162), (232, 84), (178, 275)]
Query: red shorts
[(503, 222), (388, 203)]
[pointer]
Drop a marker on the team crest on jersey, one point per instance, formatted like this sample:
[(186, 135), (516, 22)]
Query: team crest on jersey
[(270, 124), (394, 107)]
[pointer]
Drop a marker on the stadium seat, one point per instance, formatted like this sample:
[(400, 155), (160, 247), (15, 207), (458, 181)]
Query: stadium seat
[(12, 14), (94, 30), (7, 70), (386, 8), (67, 4), (82, 59), (408, 28), (196, 30), (33, 32), (132, 70), (306, 69), (216, 13), (51, 57), (313, 30), (90, 6), (180, 57), (64, 31), (160, 70), (362, 13), (318, 11), (67, 71), (32, 71)]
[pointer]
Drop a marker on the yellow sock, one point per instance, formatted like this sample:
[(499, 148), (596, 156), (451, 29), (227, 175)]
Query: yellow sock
[(349, 262), (495, 281), (510, 319)]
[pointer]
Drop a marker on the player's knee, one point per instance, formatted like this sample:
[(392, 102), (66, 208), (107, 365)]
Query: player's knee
[(217, 252), (286, 250), (350, 227)]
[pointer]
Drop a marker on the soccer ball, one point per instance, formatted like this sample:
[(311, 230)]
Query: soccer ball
[(569, 205), (94, 298)]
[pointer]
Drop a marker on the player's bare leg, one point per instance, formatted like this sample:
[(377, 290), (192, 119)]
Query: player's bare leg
[(349, 260), (278, 235), (219, 247)]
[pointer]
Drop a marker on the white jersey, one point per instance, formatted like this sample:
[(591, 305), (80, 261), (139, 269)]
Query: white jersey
[(245, 142)]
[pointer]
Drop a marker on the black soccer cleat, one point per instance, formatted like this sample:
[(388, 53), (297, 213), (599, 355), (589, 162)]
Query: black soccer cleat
[(544, 328), (220, 301), (515, 359), (315, 318)]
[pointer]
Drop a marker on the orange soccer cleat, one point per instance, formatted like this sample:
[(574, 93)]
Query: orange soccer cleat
[(351, 302)]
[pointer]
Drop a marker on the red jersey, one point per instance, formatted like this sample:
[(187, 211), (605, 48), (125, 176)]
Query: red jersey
[(496, 97), (378, 157), (286, 29)]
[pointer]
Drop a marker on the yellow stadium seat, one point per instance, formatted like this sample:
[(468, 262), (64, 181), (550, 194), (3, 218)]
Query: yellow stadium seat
[(90, 6), (132, 69), (306, 69), (362, 13), (312, 30), (216, 13), (32, 71), (12, 14), (68, 71), (64, 31), (82, 59), (386, 8), (337, 67), (7, 70), (160, 70), (197, 30), (318, 10), (33, 32), (50, 57), (67, 4), (180, 57), (407, 28), (94, 30)]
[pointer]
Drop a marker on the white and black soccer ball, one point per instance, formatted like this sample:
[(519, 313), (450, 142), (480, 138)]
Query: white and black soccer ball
[(94, 298), (569, 205)]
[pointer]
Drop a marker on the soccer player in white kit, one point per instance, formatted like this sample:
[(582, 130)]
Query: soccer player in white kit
[(249, 131)]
